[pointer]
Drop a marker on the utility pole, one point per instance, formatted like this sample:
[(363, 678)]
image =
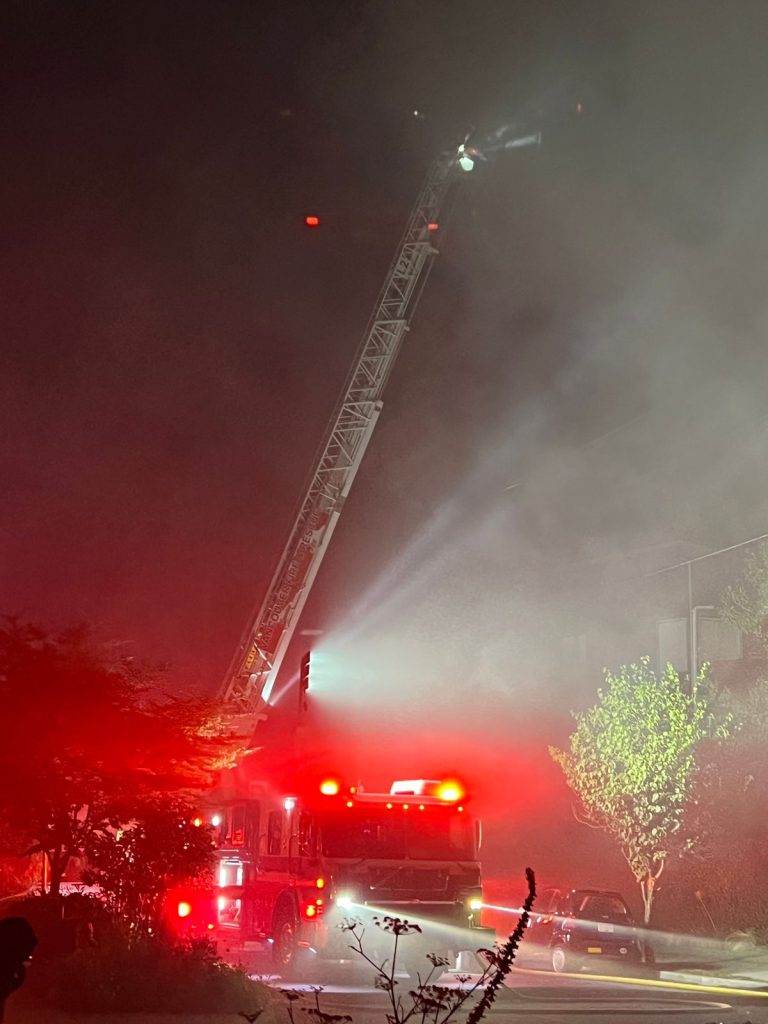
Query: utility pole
[(694, 656)]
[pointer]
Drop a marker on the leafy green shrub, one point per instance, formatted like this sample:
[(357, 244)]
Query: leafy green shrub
[(149, 976)]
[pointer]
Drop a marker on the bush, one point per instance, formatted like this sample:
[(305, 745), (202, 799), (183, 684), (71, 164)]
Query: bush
[(149, 976), (61, 923)]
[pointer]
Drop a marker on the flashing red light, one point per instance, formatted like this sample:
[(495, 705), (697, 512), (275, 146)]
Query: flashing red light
[(312, 910), (433, 225), (329, 787), (311, 221), (350, 803), (320, 883), (450, 792), (184, 909), (197, 822)]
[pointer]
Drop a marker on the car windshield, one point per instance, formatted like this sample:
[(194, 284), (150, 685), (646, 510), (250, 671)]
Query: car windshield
[(436, 833), (601, 907)]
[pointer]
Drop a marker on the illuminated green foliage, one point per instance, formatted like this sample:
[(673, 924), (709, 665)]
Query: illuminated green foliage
[(632, 764)]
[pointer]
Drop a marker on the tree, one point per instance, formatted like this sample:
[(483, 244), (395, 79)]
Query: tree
[(17, 871), (139, 853), (745, 603), (632, 764), (84, 732), (728, 869)]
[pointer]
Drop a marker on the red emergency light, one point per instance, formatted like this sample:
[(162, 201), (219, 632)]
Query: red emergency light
[(312, 221), (313, 909), (451, 792)]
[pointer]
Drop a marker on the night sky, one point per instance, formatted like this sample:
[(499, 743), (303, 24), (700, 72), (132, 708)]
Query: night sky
[(174, 338)]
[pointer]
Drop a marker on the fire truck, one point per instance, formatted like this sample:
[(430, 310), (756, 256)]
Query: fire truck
[(291, 863), (292, 867)]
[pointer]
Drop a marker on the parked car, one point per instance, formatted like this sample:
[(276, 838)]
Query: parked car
[(577, 926)]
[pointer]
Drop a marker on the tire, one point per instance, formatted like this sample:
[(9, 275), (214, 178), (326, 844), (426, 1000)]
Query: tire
[(284, 941), (563, 961)]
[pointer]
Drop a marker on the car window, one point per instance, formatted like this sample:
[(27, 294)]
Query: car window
[(563, 905), (601, 907), (545, 901)]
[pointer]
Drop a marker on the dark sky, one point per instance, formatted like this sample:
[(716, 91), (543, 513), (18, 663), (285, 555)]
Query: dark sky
[(173, 338)]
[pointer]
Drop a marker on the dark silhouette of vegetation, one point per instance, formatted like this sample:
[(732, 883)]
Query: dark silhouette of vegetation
[(140, 852), (17, 943), (92, 736), (503, 957), (726, 873), (745, 603), (427, 1001), (120, 973)]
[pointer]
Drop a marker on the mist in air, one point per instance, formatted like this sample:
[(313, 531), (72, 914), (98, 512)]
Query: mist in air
[(580, 404), (581, 400)]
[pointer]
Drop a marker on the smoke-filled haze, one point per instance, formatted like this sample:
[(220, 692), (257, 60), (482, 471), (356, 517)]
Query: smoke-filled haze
[(583, 392)]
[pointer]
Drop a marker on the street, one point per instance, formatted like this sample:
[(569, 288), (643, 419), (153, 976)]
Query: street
[(346, 988), (556, 998)]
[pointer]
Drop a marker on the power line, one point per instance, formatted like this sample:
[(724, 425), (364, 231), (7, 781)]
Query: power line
[(710, 554)]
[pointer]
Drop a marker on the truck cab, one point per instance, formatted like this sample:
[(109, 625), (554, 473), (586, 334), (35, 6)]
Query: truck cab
[(290, 868)]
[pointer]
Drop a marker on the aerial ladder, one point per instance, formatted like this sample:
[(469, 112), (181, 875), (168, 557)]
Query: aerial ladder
[(250, 680)]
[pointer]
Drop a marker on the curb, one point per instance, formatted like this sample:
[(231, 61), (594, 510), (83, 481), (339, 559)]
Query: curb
[(713, 980)]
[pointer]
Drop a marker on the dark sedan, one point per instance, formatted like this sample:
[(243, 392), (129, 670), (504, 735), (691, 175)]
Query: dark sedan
[(578, 927)]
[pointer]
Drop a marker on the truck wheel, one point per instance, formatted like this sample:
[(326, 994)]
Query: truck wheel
[(563, 960), (284, 946)]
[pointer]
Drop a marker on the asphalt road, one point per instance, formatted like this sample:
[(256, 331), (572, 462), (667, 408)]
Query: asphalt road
[(546, 997)]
